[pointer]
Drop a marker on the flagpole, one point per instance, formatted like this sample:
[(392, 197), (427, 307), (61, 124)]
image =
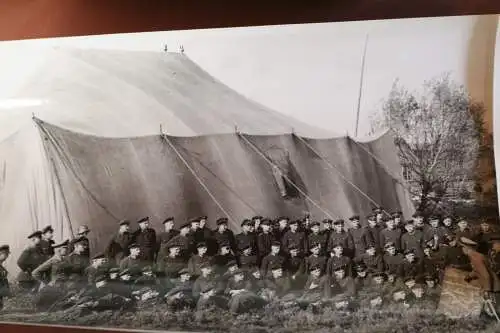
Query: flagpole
[(361, 87)]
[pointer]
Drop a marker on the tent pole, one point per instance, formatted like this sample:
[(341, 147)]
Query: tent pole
[(361, 87)]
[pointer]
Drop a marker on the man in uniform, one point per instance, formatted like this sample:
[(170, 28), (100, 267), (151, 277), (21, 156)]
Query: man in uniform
[(184, 241), (181, 295), (170, 265), (241, 297), (246, 238), (372, 231), (81, 237), (166, 235), (433, 232), (197, 260), (295, 268), (372, 260), (358, 236), (327, 229), (317, 237), (265, 239), (224, 235), (281, 228), (47, 242), (30, 258), (208, 235), (207, 290), (391, 234), (340, 236), (256, 220), (278, 285), (56, 267), (317, 289), (248, 259), (77, 262), (448, 225), (343, 289), (315, 259), (145, 237), (362, 278), (393, 261), (133, 263), (294, 238), (412, 240), (463, 230), (412, 266), (273, 259), (398, 220), (118, 246), (98, 266), (4, 282), (338, 259)]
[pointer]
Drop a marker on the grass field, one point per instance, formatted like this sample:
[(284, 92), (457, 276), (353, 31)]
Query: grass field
[(266, 320)]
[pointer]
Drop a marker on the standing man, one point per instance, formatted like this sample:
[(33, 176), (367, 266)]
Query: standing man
[(4, 282), (145, 237), (224, 235), (118, 246), (54, 266), (246, 238), (340, 236), (165, 236), (294, 238), (81, 237), (30, 258), (412, 240), (47, 242), (391, 234), (265, 239), (357, 234), (184, 241)]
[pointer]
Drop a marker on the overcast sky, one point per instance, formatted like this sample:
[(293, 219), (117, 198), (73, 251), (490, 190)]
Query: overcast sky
[(311, 72)]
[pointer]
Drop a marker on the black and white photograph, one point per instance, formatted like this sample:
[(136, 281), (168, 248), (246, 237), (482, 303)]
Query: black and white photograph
[(326, 177)]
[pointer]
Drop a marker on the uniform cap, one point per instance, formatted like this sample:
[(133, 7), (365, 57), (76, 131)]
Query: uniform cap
[(147, 269), (410, 221), (36, 234), (133, 246), (314, 224), (371, 217), (294, 222), (126, 271), (315, 245), (184, 271), (124, 222), (360, 267), (354, 218), (114, 270), (337, 245), (83, 229), (314, 268), (292, 247), (276, 244), (339, 222), (282, 218), (5, 248), (409, 251), (47, 229), (98, 256), (417, 214), (246, 222), (222, 220), (144, 219), (186, 225), (265, 222), (379, 274), (231, 263), (204, 217), (409, 279), (340, 268), (201, 245), (326, 221), (396, 214), (168, 219), (389, 244), (238, 271), (62, 244), (258, 217)]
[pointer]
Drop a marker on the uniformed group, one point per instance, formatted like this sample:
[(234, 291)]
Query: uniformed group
[(288, 263)]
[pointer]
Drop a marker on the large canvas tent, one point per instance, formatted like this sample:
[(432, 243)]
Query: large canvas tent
[(125, 134)]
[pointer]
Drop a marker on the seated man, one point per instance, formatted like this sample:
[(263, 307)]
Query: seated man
[(343, 289), (278, 285), (317, 289), (181, 295), (147, 288), (208, 290), (242, 298), (295, 268)]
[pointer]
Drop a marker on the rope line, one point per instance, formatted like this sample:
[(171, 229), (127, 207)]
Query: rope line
[(165, 137), (285, 176), (341, 175)]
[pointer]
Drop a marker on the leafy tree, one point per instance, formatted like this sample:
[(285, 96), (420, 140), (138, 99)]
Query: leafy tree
[(438, 133)]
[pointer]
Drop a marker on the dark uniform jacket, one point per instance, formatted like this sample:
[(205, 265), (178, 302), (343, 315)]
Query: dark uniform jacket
[(264, 243), (30, 258), (133, 265), (77, 263), (413, 241), (296, 239), (146, 240), (271, 261), (244, 240), (391, 236), (344, 238), (185, 244), (373, 263), (295, 266), (226, 237), (373, 235), (85, 241), (345, 287), (117, 248), (319, 286), (393, 264), (319, 238), (248, 262), (313, 260), (281, 286), (195, 263), (335, 262), (412, 269), (46, 247), (359, 240), (171, 266), (165, 236), (4, 285)]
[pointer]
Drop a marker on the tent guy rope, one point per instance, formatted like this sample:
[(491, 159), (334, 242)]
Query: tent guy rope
[(285, 176), (205, 187), (331, 166)]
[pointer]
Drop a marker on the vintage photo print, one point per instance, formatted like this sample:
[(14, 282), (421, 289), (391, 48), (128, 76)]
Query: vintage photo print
[(331, 177)]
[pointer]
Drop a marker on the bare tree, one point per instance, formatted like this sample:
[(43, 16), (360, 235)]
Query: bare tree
[(438, 133)]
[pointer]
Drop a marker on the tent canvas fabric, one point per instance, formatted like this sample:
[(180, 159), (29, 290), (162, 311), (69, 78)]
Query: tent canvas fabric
[(65, 170)]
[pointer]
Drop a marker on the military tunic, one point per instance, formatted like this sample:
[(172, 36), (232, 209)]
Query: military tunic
[(244, 240), (296, 239), (226, 237), (358, 236), (335, 262), (248, 262), (146, 240), (133, 265), (413, 241), (30, 259), (317, 238), (4, 285), (391, 236), (315, 261), (270, 261), (85, 241), (117, 248), (77, 264), (46, 248), (393, 264), (343, 238), (413, 269), (373, 235), (264, 243), (245, 299), (195, 263), (373, 263)]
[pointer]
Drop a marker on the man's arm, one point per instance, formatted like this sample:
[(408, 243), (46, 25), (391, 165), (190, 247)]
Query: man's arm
[(46, 266)]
